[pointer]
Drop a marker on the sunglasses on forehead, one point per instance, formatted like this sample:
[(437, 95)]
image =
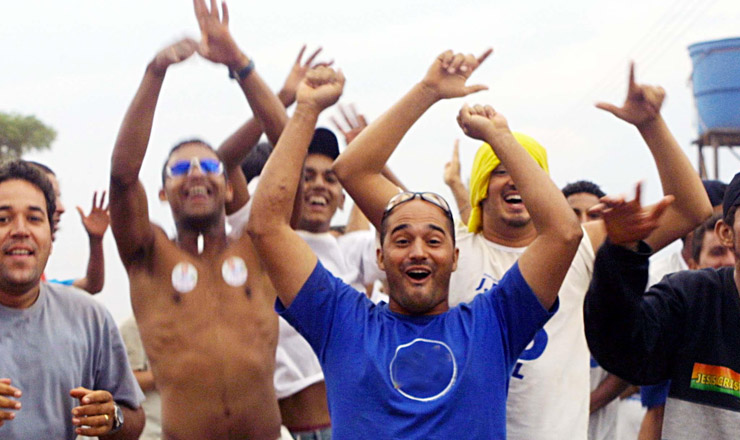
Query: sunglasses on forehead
[(205, 165), (407, 196)]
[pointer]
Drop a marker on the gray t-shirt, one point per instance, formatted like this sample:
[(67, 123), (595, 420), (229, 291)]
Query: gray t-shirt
[(64, 340)]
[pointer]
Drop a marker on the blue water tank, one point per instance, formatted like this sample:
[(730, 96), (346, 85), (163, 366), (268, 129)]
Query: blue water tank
[(716, 83)]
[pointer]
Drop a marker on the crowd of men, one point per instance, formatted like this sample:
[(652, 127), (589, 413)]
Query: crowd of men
[(257, 320)]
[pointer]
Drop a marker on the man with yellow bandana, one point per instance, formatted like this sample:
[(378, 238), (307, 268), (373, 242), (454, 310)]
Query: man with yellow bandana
[(549, 390)]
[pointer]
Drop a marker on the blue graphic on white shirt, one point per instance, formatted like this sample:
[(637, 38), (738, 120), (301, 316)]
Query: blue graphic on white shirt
[(535, 348)]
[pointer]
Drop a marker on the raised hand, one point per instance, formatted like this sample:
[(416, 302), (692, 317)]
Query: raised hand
[(355, 123), (481, 122), (642, 104), (452, 168), (629, 222), (287, 94), (450, 71), (6, 392), (173, 54), (321, 88), (216, 43), (96, 223), (96, 413)]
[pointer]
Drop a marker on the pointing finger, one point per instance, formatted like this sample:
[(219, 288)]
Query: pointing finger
[(485, 55)]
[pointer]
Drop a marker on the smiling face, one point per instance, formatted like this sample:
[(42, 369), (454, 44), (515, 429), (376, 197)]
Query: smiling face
[(196, 198), (418, 257), (321, 194), (25, 238), (503, 206)]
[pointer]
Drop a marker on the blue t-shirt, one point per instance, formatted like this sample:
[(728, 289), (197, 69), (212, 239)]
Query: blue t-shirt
[(390, 375), (64, 340)]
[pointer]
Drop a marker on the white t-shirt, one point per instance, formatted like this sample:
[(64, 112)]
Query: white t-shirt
[(549, 388), (351, 258), (602, 424), (663, 266)]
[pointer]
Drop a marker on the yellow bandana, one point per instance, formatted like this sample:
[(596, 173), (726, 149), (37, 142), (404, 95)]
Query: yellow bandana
[(485, 162)]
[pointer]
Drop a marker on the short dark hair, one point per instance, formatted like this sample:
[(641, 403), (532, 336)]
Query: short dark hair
[(583, 186), (43, 167), (256, 160), (31, 172), (729, 218), (180, 145), (700, 232)]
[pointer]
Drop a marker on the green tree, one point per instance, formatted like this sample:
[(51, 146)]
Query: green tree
[(19, 134)]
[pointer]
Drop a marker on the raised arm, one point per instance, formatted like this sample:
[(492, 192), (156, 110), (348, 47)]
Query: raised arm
[(630, 334), (287, 258), (359, 167), (96, 223), (236, 148), (218, 46), (546, 261), (356, 122), (678, 178), (128, 206), (453, 180)]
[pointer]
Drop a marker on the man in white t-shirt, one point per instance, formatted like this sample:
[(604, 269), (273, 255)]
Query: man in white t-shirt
[(549, 392), (605, 387)]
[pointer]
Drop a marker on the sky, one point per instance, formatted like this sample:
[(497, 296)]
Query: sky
[(76, 65)]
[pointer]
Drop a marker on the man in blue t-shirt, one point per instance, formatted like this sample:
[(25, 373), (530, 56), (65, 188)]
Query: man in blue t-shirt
[(413, 368)]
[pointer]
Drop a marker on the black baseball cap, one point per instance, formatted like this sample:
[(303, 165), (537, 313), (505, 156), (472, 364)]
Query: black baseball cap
[(732, 195), (324, 142)]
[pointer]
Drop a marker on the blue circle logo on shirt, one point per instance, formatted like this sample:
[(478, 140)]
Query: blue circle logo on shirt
[(423, 369)]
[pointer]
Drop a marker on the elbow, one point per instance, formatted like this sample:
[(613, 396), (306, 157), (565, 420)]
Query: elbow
[(571, 232), (120, 179), (260, 229), (340, 169), (94, 288), (704, 213)]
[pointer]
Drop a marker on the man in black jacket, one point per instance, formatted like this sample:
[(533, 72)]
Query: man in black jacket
[(686, 328)]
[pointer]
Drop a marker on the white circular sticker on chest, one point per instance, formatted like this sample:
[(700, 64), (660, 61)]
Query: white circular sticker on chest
[(234, 271), (184, 277)]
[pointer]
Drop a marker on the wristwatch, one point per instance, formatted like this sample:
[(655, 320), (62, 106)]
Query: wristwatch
[(117, 419)]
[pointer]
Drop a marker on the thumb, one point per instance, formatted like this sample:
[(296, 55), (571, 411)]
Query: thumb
[(79, 392), (475, 89), (82, 213), (611, 108)]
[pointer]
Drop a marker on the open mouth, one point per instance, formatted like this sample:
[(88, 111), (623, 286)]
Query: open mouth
[(317, 201), (513, 199), (197, 191), (19, 252), (418, 274)]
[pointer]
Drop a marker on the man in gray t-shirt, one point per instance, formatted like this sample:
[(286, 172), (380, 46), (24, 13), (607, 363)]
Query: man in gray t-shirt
[(63, 369)]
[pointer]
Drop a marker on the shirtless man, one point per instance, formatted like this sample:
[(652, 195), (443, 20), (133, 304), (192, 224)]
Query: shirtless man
[(209, 329)]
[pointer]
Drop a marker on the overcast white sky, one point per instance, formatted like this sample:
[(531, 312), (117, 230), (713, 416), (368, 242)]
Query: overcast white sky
[(76, 64)]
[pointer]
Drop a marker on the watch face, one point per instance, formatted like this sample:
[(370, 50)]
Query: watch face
[(119, 416)]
